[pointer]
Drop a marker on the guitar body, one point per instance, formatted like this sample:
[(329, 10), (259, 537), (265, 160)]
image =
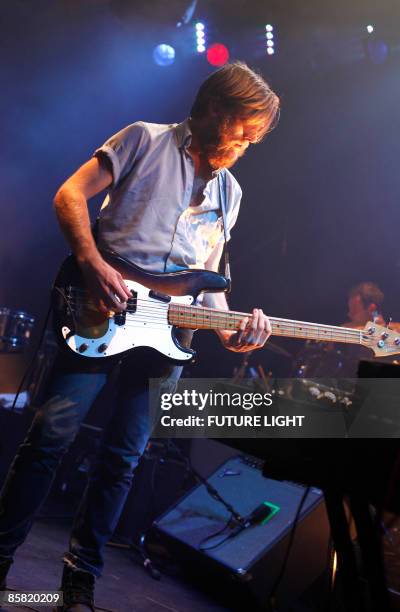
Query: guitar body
[(87, 332)]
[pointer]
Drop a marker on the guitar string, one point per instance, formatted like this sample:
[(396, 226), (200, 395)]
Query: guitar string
[(153, 324), (288, 332), (176, 306), (206, 312), (152, 305), (289, 328), (201, 316), (215, 317)]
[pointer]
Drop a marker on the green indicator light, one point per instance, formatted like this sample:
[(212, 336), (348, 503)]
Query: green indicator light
[(273, 510)]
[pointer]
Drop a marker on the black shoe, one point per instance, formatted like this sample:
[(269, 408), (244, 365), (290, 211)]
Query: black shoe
[(78, 591), (4, 567)]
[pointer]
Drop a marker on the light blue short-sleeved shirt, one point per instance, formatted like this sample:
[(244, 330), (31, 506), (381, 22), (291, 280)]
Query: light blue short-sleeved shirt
[(146, 216)]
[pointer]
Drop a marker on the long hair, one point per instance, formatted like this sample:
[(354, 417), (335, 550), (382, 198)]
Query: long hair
[(237, 92)]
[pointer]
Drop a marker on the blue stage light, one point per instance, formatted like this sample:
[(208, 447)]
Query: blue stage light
[(164, 55)]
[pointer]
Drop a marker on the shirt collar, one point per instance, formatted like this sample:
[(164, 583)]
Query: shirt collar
[(183, 136)]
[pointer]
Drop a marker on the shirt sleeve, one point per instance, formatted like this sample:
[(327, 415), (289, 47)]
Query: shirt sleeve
[(124, 149)]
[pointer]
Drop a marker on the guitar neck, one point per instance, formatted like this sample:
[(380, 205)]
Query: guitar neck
[(196, 317)]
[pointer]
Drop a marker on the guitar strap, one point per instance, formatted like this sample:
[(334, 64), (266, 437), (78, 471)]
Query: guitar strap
[(222, 203)]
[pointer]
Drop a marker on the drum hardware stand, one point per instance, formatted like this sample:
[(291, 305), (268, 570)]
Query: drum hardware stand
[(240, 372), (30, 367), (355, 595)]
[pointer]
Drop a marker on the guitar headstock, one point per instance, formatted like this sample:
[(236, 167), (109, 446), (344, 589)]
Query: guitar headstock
[(382, 340)]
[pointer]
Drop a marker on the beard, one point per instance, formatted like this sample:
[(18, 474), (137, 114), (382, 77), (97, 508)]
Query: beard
[(215, 148), (223, 157)]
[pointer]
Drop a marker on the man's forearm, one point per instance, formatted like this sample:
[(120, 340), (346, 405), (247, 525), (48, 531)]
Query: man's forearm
[(73, 216), (218, 300)]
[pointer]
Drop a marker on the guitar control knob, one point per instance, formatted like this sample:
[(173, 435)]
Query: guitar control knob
[(384, 335), (83, 347), (381, 343), (371, 330), (102, 348), (397, 341)]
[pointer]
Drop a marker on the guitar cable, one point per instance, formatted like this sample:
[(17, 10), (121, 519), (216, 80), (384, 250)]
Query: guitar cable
[(241, 522), (212, 491)]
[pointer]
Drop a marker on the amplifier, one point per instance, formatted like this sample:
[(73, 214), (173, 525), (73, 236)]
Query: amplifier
[(251, 561)]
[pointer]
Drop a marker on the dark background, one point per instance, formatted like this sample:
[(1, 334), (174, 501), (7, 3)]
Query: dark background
[(320, 210)]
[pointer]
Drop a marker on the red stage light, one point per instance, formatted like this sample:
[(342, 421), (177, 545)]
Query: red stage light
[(217, 54)]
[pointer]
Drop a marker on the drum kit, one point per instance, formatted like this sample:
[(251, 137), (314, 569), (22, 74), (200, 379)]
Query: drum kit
[(320, 373), (16, 327), (15, 330)]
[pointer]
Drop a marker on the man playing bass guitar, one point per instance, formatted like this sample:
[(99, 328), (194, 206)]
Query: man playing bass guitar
[(162, 212)]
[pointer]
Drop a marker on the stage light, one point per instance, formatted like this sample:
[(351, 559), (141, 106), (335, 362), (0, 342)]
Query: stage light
[(270, 41), (217, 54), (200, 37), (370, 29), (164, 55), (187, 15)]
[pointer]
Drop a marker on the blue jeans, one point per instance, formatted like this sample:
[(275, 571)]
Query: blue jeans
[(71, 393)]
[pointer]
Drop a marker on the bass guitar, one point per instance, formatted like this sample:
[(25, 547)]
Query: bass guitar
[(161, 303)]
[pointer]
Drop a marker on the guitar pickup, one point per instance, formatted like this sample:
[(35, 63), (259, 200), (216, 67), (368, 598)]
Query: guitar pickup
[(132, 302), (161, 297)]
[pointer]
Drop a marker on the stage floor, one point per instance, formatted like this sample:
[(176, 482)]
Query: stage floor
[(124, 587)]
